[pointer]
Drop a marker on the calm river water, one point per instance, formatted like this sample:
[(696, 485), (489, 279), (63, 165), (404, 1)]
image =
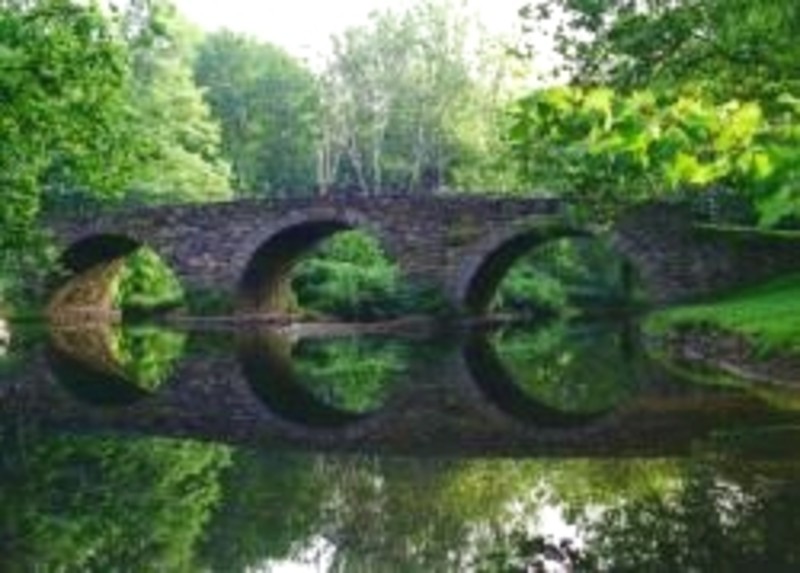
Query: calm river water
[(553, 447)]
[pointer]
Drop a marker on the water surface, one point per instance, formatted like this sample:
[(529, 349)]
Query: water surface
[(145, 448)]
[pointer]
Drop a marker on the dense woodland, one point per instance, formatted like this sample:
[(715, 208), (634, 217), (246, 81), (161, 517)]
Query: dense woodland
[(105, 105)]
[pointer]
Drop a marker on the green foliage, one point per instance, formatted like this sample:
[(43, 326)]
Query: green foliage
[(92, 504), (709, 523), (566, 276), (605, 149), (96, 106), (63, 109), (147, 355), (267, 105), (528, 290), (146, 283), (666, 97), (571, 369), (270, 505), (350, 277), (184, 161), (741, 49), (693, 515), (354, 374), (410, 101)]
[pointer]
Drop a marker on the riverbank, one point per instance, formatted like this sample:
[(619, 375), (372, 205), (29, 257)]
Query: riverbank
[(751, 335)]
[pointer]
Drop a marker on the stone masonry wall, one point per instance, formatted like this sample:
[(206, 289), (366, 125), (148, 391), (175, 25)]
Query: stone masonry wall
[(439, 241), (681, 261)]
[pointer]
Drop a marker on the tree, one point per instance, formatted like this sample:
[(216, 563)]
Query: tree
[(740, 49), (667, 98), (63, 112), (606, 149), (394, 93), (266, 102), (184, 162), (97, 105)]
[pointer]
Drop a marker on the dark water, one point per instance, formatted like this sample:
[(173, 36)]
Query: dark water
[(151, 449)]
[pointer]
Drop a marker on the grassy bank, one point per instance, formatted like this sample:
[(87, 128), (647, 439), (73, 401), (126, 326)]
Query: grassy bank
[(767, 315)]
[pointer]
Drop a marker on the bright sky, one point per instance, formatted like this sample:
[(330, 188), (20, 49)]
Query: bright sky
[(304, 27)]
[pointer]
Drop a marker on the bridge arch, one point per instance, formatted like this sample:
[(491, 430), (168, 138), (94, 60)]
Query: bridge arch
[(87, 270), (264, 284), (483, 269)]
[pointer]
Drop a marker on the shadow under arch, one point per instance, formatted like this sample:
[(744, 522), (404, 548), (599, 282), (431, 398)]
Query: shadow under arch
[(88, 268), (482, 272), (87, 362), (267, 364), (264, 286), (614, 377)]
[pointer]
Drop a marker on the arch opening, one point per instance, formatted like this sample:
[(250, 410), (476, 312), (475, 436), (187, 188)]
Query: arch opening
[(565, 273), (106, 276), (266, 284), (324, 269)]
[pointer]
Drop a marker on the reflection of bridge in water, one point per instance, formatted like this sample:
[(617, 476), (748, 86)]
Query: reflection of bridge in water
[(459, 400)]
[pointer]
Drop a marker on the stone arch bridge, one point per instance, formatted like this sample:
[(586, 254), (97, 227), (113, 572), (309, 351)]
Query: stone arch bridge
[(461, 245)]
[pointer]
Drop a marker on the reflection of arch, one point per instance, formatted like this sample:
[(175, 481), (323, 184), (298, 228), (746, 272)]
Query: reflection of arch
[(266, 359), (264, 285), (481, 273), (490, 374), (91, 266), (84, 362)]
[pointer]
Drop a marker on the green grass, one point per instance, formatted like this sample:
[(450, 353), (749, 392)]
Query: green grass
[(768, 315)]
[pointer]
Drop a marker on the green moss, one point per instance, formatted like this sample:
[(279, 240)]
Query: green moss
[(768, 315)]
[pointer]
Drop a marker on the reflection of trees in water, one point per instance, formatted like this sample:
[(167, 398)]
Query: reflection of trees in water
[(710, 513), (352, 374), (323, 382), (111, 364), (270, 506), (410, 515), (99, 504), (581, 369), (90, 504), (147, 355), (378, 514), (716, 521)]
